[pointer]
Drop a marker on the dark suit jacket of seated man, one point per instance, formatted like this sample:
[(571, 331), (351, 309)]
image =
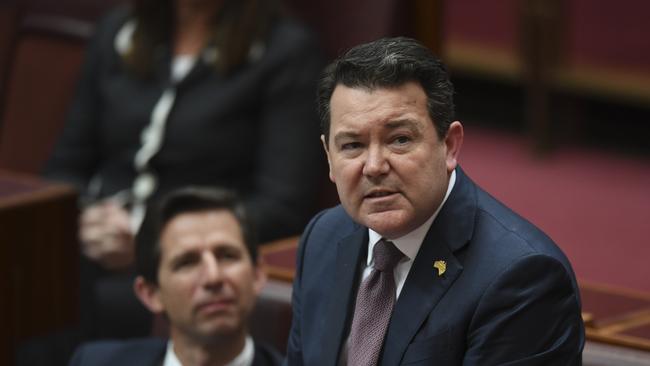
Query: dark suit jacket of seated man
[(197, 264), (148, 352), (478, 284)]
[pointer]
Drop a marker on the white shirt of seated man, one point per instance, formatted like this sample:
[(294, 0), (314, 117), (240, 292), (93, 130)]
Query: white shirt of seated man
[(245, 358)]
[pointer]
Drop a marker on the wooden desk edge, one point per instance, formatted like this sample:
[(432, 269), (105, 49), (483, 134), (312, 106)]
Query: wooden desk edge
[(44, 194), (276, 272)]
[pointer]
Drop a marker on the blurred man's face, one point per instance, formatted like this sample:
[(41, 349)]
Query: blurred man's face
[(207, 283), (390, 167)]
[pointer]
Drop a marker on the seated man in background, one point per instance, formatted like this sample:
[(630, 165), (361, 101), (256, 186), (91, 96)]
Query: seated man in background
[(197, 264)]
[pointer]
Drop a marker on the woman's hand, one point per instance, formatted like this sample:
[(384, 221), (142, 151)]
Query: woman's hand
[(106, 235)]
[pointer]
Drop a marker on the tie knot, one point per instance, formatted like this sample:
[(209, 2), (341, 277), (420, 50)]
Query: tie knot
[(386, 255)]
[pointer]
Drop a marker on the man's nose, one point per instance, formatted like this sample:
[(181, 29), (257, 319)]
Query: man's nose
[(376, 163), (211, 269)]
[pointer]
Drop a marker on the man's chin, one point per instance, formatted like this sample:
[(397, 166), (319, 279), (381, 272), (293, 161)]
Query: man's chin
[(390, 224), (217, 331)]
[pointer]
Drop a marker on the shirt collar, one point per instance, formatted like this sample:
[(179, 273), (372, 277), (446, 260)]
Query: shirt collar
[(410, 243), (170, 356), (245, 358)]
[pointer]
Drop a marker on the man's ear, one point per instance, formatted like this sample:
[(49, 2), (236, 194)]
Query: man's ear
[(148, 294), (453, 142), (259, 276), (327, 153)]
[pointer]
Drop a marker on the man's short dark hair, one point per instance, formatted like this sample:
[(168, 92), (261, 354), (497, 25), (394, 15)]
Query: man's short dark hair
[(186, 200), (387, 63)]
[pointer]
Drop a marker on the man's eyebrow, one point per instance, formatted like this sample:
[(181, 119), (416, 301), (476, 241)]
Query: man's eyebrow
[(181, 256), (408, 123), (345, 135)]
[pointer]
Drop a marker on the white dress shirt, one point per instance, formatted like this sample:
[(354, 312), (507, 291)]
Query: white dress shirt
[(245, 358)]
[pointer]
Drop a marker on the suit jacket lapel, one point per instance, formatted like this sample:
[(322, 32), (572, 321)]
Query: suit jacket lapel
[(342, 296), (422, 291), (424, 288)]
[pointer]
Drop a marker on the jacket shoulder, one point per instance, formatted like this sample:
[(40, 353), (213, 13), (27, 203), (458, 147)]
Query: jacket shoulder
[(109, 353), (503, 235), (331, 224)]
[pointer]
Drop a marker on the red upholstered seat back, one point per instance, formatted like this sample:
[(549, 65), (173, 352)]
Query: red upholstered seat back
[(38, 90), (341, 24)]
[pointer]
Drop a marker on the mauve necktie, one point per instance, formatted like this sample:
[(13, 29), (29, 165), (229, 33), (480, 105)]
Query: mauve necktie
[(373, 308)]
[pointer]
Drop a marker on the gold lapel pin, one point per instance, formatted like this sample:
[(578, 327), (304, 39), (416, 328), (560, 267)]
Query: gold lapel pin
[(441, 266)]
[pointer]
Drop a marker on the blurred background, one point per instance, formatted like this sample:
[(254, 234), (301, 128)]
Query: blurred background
[(554, 96)]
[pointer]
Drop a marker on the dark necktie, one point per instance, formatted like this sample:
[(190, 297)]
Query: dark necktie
[(373, 308)]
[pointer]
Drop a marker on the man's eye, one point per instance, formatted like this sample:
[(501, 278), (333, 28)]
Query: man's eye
[(350, 146), (402, 140), (229, 255), (184, 262)]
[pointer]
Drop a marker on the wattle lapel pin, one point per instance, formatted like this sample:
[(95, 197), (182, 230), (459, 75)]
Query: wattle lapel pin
[(441, 266)]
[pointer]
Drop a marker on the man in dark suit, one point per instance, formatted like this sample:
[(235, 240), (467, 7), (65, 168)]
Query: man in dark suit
[(419, 265), (197, 264)]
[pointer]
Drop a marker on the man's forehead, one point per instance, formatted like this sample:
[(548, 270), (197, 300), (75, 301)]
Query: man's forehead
[(201, 230), (378, 89), (367, 100), (198, 243)]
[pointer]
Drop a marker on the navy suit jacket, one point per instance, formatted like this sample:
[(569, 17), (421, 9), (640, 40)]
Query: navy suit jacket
[(508, 295), (146, 352)]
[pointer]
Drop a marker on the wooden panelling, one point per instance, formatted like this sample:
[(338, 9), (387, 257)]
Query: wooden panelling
[(39, 256)]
